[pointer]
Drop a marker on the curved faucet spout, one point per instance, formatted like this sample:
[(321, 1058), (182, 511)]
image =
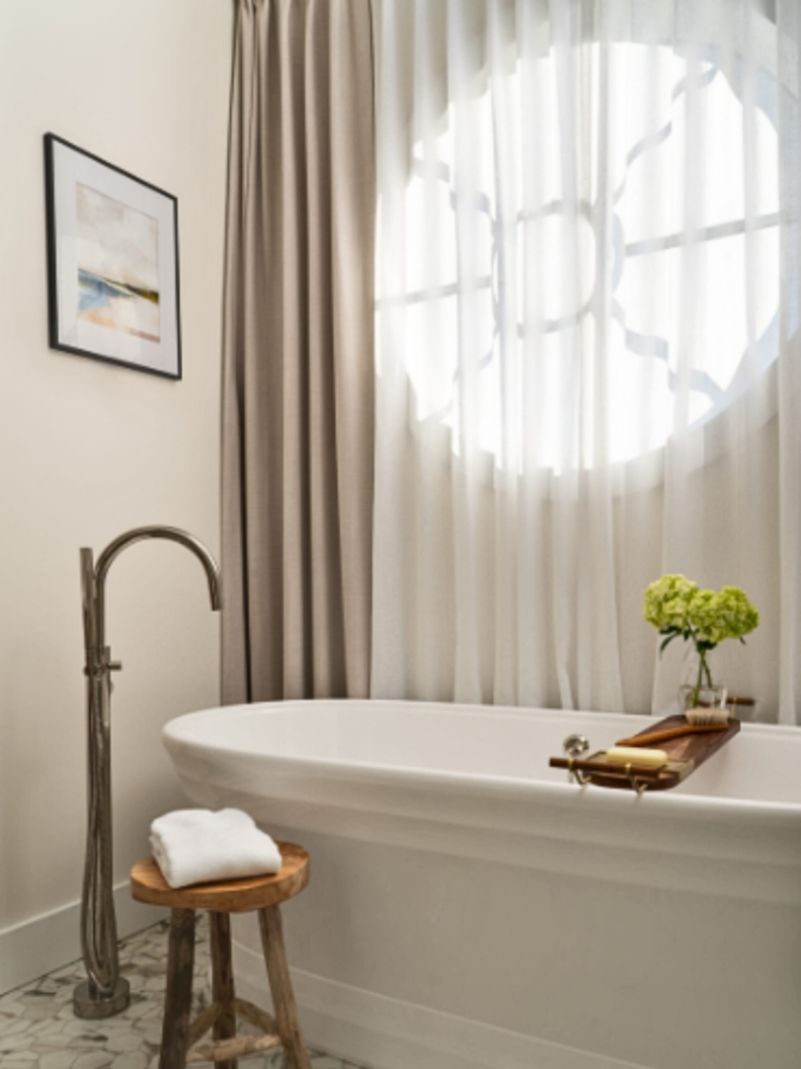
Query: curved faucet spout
[(137, 534)]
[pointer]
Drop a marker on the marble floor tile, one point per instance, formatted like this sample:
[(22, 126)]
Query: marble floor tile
[(39, 1031)]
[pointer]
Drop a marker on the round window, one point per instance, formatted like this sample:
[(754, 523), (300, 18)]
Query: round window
[(655, 262)]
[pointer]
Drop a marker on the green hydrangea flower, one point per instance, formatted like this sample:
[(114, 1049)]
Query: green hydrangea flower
[(715, 616), (667, 602), (703, 617)]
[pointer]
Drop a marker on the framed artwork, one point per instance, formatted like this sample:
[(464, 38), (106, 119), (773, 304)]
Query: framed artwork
[(112, 253)]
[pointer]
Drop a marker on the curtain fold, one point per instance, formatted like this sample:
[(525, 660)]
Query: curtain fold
[(297, 478), (588, 344)]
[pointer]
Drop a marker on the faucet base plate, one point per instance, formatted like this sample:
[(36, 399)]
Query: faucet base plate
[(93, 1007)]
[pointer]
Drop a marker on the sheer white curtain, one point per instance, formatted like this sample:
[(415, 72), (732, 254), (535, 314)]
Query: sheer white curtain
[(588, 353)]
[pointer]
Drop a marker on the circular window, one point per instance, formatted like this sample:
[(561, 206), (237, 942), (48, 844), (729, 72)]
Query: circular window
[(658, 269)]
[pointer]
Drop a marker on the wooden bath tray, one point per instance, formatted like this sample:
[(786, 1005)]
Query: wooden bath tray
[(685, 754)]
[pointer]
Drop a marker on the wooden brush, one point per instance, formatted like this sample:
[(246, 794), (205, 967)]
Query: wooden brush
[(651, 738)]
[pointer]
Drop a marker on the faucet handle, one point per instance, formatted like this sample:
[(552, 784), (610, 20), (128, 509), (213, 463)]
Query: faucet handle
[(98, 661), (108, 664), (576, 745)]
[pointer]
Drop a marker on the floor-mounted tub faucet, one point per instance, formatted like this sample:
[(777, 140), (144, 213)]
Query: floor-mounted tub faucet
[(105, 992)]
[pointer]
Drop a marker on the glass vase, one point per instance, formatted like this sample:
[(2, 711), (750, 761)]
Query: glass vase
[(708, 697), (699, 688)]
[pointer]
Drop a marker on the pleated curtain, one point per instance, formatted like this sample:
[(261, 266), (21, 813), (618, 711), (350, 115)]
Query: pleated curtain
[(589, 367), (298, 352)]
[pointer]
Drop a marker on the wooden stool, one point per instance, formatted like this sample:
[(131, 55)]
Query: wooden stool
[(261, 893)]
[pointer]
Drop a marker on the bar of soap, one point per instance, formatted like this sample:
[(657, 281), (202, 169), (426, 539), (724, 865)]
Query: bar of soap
[(637, 756)]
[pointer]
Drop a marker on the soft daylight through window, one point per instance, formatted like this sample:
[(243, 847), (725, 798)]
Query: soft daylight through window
[(637, 261)]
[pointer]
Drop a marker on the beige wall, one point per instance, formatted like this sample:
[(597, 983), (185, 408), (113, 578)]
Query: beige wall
[(88, 449)]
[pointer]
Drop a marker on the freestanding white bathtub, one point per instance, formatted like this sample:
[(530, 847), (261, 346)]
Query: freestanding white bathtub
[(469, 907)]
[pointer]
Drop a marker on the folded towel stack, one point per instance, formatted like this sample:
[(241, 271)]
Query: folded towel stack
[(199, 846)]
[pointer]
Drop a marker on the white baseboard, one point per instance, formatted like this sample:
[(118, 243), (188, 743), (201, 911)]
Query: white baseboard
[(50, 940), (387, 1033)]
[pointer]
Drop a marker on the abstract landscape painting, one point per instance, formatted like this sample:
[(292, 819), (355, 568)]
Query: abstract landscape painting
[(118, 269), (112, 263)]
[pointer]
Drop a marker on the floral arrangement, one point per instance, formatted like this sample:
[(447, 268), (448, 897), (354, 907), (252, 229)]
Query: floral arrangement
[(678, 608)]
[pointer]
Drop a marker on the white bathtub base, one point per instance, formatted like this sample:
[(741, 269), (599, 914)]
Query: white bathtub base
[(388, 1033), (405, 959)]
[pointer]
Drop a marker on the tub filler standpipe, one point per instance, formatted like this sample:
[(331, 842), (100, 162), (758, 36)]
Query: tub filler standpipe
[(105, 992)]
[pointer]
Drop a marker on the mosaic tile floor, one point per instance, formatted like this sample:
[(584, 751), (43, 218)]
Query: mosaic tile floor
[(38, 1029)]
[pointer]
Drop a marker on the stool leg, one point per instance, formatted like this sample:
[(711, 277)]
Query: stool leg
[(222, 980), (178, 996), (286, 1012)]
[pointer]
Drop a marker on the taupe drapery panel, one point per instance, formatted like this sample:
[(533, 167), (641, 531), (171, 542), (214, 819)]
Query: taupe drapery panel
[(298, 352)]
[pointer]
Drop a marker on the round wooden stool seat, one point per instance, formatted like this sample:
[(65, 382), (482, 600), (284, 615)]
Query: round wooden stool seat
[(228, 896)]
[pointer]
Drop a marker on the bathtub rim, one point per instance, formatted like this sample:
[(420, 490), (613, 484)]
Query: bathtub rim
[(512, 788)]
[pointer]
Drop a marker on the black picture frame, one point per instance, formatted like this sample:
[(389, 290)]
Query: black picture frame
[(113, 266)]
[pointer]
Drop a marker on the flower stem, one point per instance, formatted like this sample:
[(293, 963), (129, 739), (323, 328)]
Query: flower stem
[(698, 681), (703, 670)]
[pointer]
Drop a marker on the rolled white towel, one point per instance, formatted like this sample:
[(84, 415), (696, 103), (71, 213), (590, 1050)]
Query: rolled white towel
[(198, 846)]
